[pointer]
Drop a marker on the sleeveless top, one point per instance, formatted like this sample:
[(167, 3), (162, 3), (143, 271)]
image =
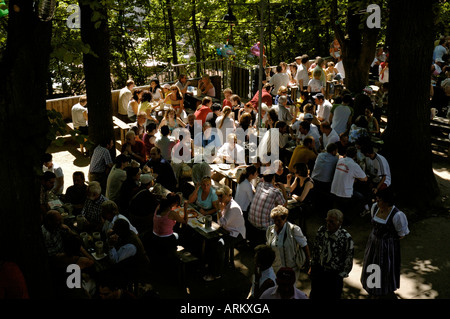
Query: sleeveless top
[(299, 190), (175, 103), (163, 225), (130, 111)]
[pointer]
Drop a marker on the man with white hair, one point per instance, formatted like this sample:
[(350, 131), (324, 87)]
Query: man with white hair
[(92, 209), (283, 113)]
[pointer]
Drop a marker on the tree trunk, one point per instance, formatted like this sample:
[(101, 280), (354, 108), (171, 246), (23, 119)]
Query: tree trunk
[(172, 33), (23, 76), (97, 71), (357, 47), (197, 40), (408, 143)]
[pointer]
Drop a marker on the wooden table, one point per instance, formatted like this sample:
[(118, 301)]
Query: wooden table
[(229, 173)]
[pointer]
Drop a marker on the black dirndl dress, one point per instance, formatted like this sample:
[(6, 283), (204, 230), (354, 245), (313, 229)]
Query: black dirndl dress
[(383, 250)]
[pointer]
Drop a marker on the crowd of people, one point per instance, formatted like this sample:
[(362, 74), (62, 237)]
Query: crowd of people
[(328, 161)]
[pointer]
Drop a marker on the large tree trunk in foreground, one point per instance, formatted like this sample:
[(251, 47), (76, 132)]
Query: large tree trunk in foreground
[(23, 75), (97, 70), (408, 144)]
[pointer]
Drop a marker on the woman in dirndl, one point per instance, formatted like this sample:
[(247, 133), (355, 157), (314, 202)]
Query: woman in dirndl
[(381, 269)]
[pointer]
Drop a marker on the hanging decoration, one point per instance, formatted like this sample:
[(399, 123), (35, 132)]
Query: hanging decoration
[(256, 49)]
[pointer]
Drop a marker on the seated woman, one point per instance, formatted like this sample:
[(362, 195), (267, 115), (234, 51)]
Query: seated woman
[(133, 105), (147, 107), (225, 124), (205, 87), (230, 218), (283, 91), (172, 120), (175, 99), (301, 191), (245, 189), (164, 220), (248, 108), (155, 90), (372, 123), (205, 197)]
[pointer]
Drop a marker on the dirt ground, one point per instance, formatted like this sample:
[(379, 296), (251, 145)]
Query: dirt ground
[(425, 271)]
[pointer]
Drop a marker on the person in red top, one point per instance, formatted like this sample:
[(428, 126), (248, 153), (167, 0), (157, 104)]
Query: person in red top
[(227, 93), (204, 109), (134, 148), (266, 97)]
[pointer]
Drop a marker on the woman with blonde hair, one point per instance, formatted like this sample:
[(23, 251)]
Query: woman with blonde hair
[(205, 87), (225, 124)]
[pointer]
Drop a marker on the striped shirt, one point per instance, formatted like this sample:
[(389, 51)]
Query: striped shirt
[(53, 241), (266, 198), (100, 160)]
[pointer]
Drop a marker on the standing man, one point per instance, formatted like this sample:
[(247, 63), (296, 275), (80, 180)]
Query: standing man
[(281, 78), (341, 115), (323, 107), (101, 163), (347, 171), (80, 115), (302, 72), (268, 195), (125, 96), (332, 258)]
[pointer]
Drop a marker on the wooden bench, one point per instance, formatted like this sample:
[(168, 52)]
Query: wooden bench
[(184, 258), (70, 128), (123, 128)]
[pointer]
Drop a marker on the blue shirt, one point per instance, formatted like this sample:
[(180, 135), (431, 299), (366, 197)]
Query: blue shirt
[(208, 202)]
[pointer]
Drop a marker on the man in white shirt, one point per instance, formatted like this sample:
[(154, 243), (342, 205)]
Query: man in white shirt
[(377, 168), (125, 97), (302, 73), (342, 187), (329, 136), (323, 107), (341, 115), (231, 152), (281, 78), (80, 115)]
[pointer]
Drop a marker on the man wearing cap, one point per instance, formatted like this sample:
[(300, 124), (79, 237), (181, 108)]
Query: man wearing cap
[(285, 287), (323, 107)]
